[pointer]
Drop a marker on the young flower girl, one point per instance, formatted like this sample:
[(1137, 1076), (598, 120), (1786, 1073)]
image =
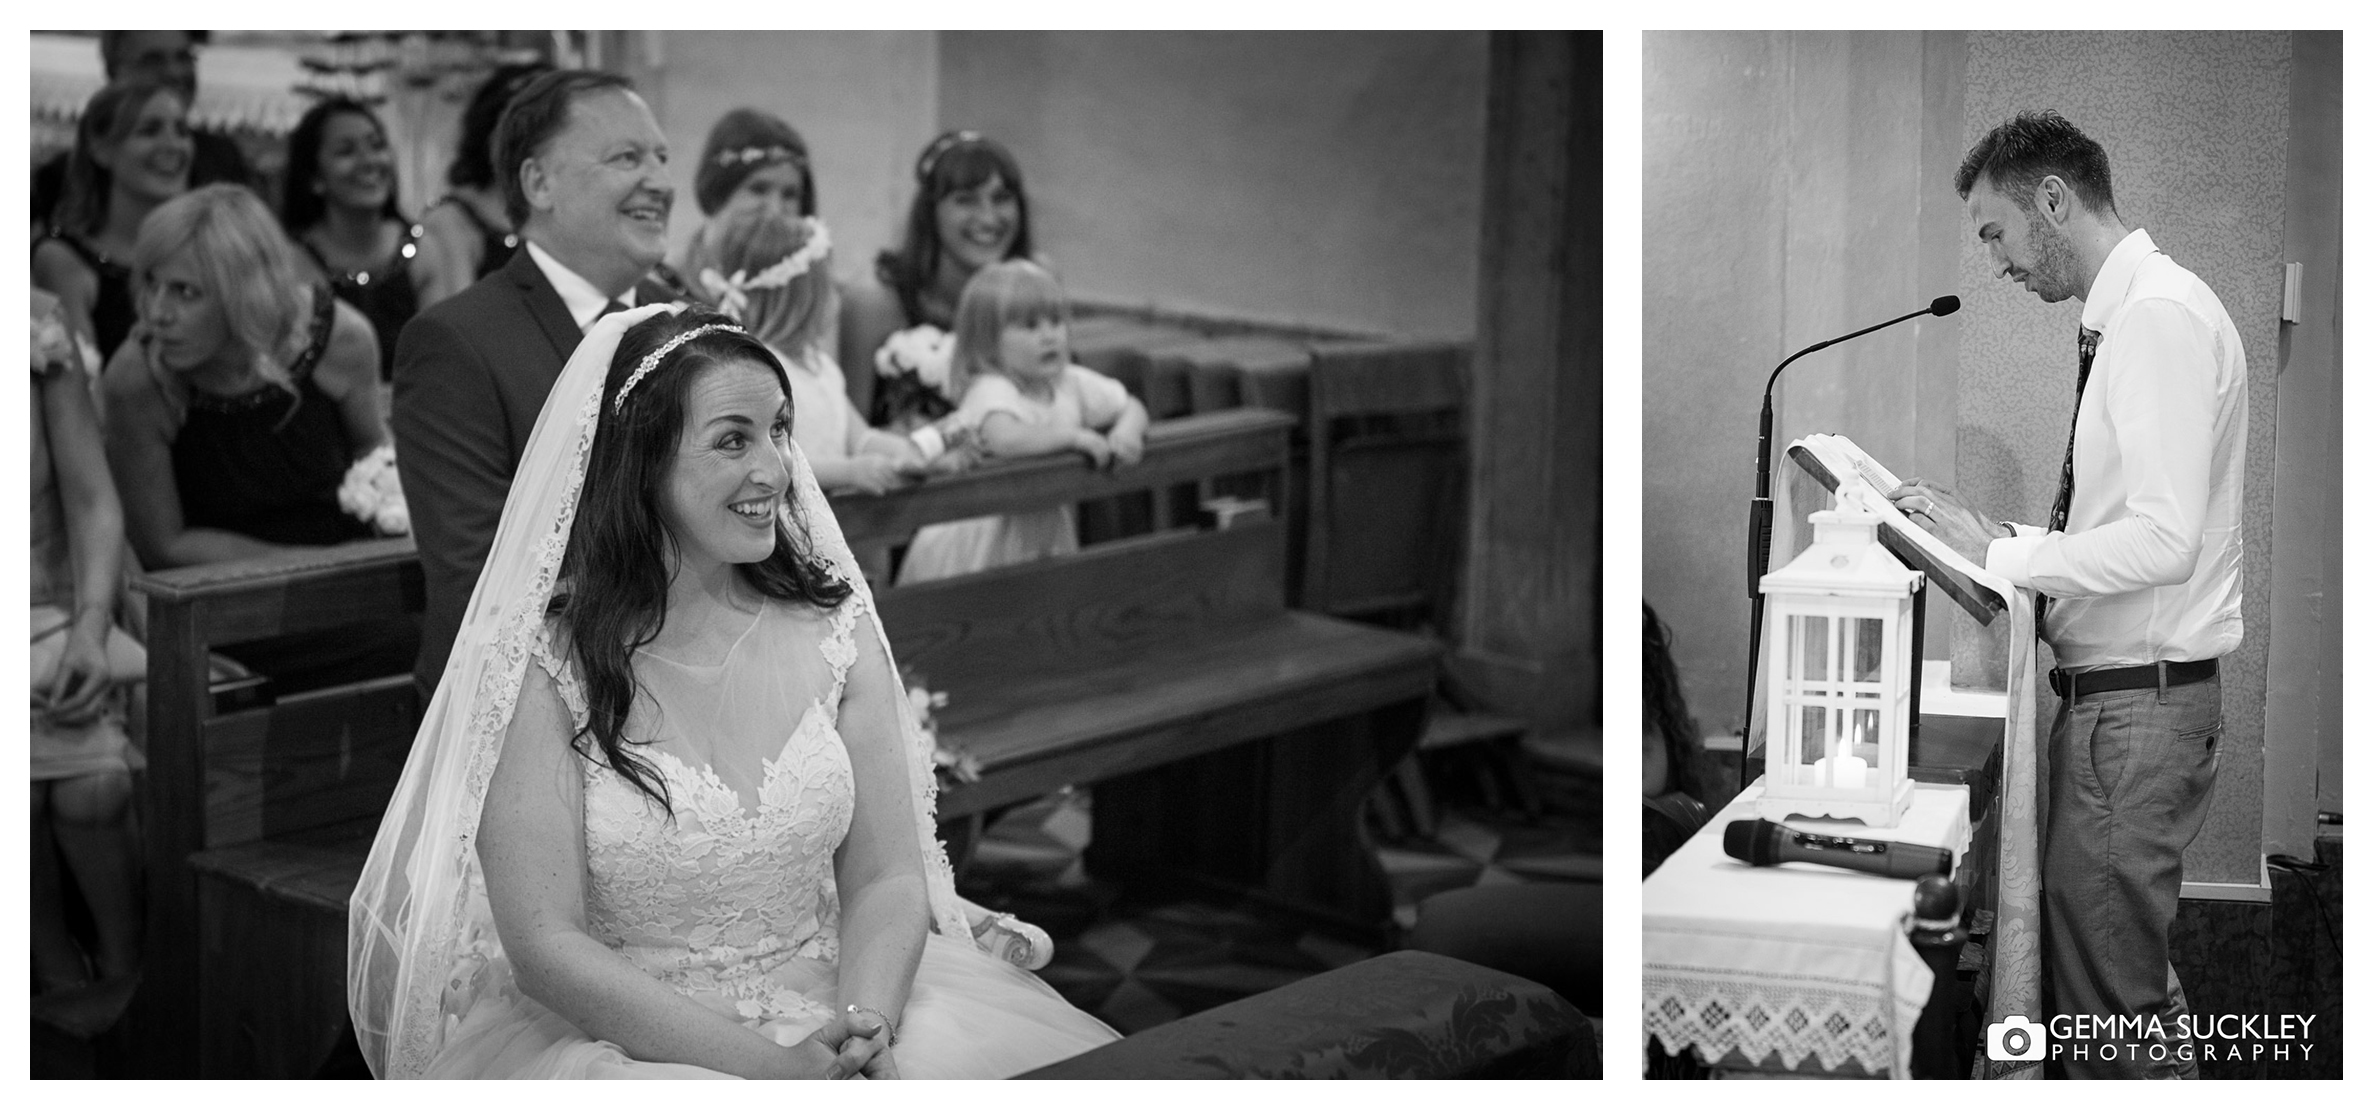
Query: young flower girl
[(1024, 397), (770, 274)]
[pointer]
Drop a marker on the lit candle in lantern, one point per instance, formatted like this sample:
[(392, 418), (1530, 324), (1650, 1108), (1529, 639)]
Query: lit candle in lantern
[(1844, 771)]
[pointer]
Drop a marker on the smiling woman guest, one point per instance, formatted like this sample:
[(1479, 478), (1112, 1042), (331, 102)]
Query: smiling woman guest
[(969, 211), (159, 55), (339, 203), (131, 153)]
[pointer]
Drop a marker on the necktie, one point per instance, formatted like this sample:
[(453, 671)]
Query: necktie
[(614, 305), (2087, 341)]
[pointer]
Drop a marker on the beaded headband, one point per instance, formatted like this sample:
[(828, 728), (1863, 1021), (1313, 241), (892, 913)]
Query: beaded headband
[(728, 159), (652, 360), (733, 293), (939, 147)]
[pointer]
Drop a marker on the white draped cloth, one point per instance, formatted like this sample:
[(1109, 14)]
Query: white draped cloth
[(1797, 960), (2014, 948)]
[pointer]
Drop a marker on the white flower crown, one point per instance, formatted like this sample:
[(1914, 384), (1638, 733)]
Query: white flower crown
[(733, 293), (651, 361)]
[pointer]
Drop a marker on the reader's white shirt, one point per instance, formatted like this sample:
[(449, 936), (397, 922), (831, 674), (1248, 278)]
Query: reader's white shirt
[(2150, 566)]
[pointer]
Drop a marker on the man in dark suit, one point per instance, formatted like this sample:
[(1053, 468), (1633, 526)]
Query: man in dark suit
[(584, 174), (171, 57)]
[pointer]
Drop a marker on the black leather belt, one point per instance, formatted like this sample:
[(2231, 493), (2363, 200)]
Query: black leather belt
[(2144, 677)]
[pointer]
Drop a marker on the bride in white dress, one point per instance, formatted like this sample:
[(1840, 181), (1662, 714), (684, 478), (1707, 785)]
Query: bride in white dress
[(667, 816)]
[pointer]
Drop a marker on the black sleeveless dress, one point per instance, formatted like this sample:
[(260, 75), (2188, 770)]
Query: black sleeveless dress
[(268, 464), (384, 293), (494, 247), (114, 312)]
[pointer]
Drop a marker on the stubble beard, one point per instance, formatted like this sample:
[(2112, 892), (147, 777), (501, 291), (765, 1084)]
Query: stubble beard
[(2053, 278)]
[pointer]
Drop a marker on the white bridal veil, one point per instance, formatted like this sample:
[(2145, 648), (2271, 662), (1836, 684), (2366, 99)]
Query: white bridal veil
[(421, 943)]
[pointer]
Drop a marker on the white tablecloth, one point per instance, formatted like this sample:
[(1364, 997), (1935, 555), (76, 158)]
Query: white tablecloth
[(1798, 959)]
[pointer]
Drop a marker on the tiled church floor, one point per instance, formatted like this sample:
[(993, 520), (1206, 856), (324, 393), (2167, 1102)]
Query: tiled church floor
[(1138, 964)]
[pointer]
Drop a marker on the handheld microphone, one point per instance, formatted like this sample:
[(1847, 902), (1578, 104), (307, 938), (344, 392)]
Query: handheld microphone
[(1764, 844)]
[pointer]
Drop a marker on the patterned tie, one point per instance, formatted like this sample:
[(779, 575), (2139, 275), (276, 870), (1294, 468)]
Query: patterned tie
[(2087, 341)]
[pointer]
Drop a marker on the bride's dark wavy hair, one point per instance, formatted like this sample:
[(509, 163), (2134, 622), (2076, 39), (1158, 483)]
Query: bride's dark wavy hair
[(612, 596)]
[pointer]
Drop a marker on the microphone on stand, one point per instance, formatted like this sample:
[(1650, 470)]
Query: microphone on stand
[(1765, 844), (1759, 511)]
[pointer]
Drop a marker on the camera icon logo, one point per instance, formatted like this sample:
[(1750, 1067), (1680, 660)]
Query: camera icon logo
[(2014, 1038)]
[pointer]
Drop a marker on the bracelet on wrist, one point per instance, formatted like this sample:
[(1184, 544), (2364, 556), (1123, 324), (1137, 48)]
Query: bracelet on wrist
[(889, 1028)]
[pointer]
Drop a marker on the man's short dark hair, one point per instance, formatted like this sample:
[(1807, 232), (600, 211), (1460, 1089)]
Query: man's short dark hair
[(112, 41), (2026, 148), (536, 113)]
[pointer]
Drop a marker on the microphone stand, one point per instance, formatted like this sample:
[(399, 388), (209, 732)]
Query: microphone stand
[(1759, 511)]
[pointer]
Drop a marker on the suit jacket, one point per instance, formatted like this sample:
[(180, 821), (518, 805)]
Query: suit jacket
[(471, 375)]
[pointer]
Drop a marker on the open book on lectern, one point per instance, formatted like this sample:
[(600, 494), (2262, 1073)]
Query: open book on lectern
[(1828, 457)]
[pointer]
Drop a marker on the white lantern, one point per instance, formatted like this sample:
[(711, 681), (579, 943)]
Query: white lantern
[(1838, 644)]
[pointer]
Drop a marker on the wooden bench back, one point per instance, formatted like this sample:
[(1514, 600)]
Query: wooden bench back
[(1119, 597), (1110, 601), (1387, 478), (319, 759), (1190, 449), (318, 765)]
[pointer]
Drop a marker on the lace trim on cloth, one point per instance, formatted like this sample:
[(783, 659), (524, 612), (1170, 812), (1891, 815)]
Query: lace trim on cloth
[(1834, 1024)]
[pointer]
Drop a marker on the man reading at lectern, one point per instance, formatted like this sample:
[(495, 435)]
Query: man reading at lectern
[(2139, 568)]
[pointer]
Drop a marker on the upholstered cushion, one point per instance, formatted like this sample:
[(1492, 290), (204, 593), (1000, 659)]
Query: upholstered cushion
[(1406, 1015)]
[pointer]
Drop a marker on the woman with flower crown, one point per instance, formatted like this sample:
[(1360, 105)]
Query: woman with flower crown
[(969, 211), (752, 161), (665, 816)]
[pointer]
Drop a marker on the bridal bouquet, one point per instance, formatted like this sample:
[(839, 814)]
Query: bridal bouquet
[(911, 382), (372, 494), (956, 765)]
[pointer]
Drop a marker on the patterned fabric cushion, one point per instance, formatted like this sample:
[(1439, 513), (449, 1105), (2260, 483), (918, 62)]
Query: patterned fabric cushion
[(1406, 1015)]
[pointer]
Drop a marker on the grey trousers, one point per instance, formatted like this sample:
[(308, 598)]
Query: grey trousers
[(2131, 772)]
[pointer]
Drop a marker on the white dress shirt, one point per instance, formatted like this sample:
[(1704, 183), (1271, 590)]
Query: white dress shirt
[(583, 300), (2150, 566)]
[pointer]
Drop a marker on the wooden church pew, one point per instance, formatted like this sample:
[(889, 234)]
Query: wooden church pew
[(1137, 665)]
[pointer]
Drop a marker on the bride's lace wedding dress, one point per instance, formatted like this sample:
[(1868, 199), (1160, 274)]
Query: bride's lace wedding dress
[(732, 901)]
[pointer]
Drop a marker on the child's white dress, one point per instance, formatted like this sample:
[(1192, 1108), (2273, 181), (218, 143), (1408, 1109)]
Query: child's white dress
[(1082, 398), (824, 421)]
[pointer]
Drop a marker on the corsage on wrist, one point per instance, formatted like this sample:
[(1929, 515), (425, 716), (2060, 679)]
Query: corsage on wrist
[(373, 494)]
